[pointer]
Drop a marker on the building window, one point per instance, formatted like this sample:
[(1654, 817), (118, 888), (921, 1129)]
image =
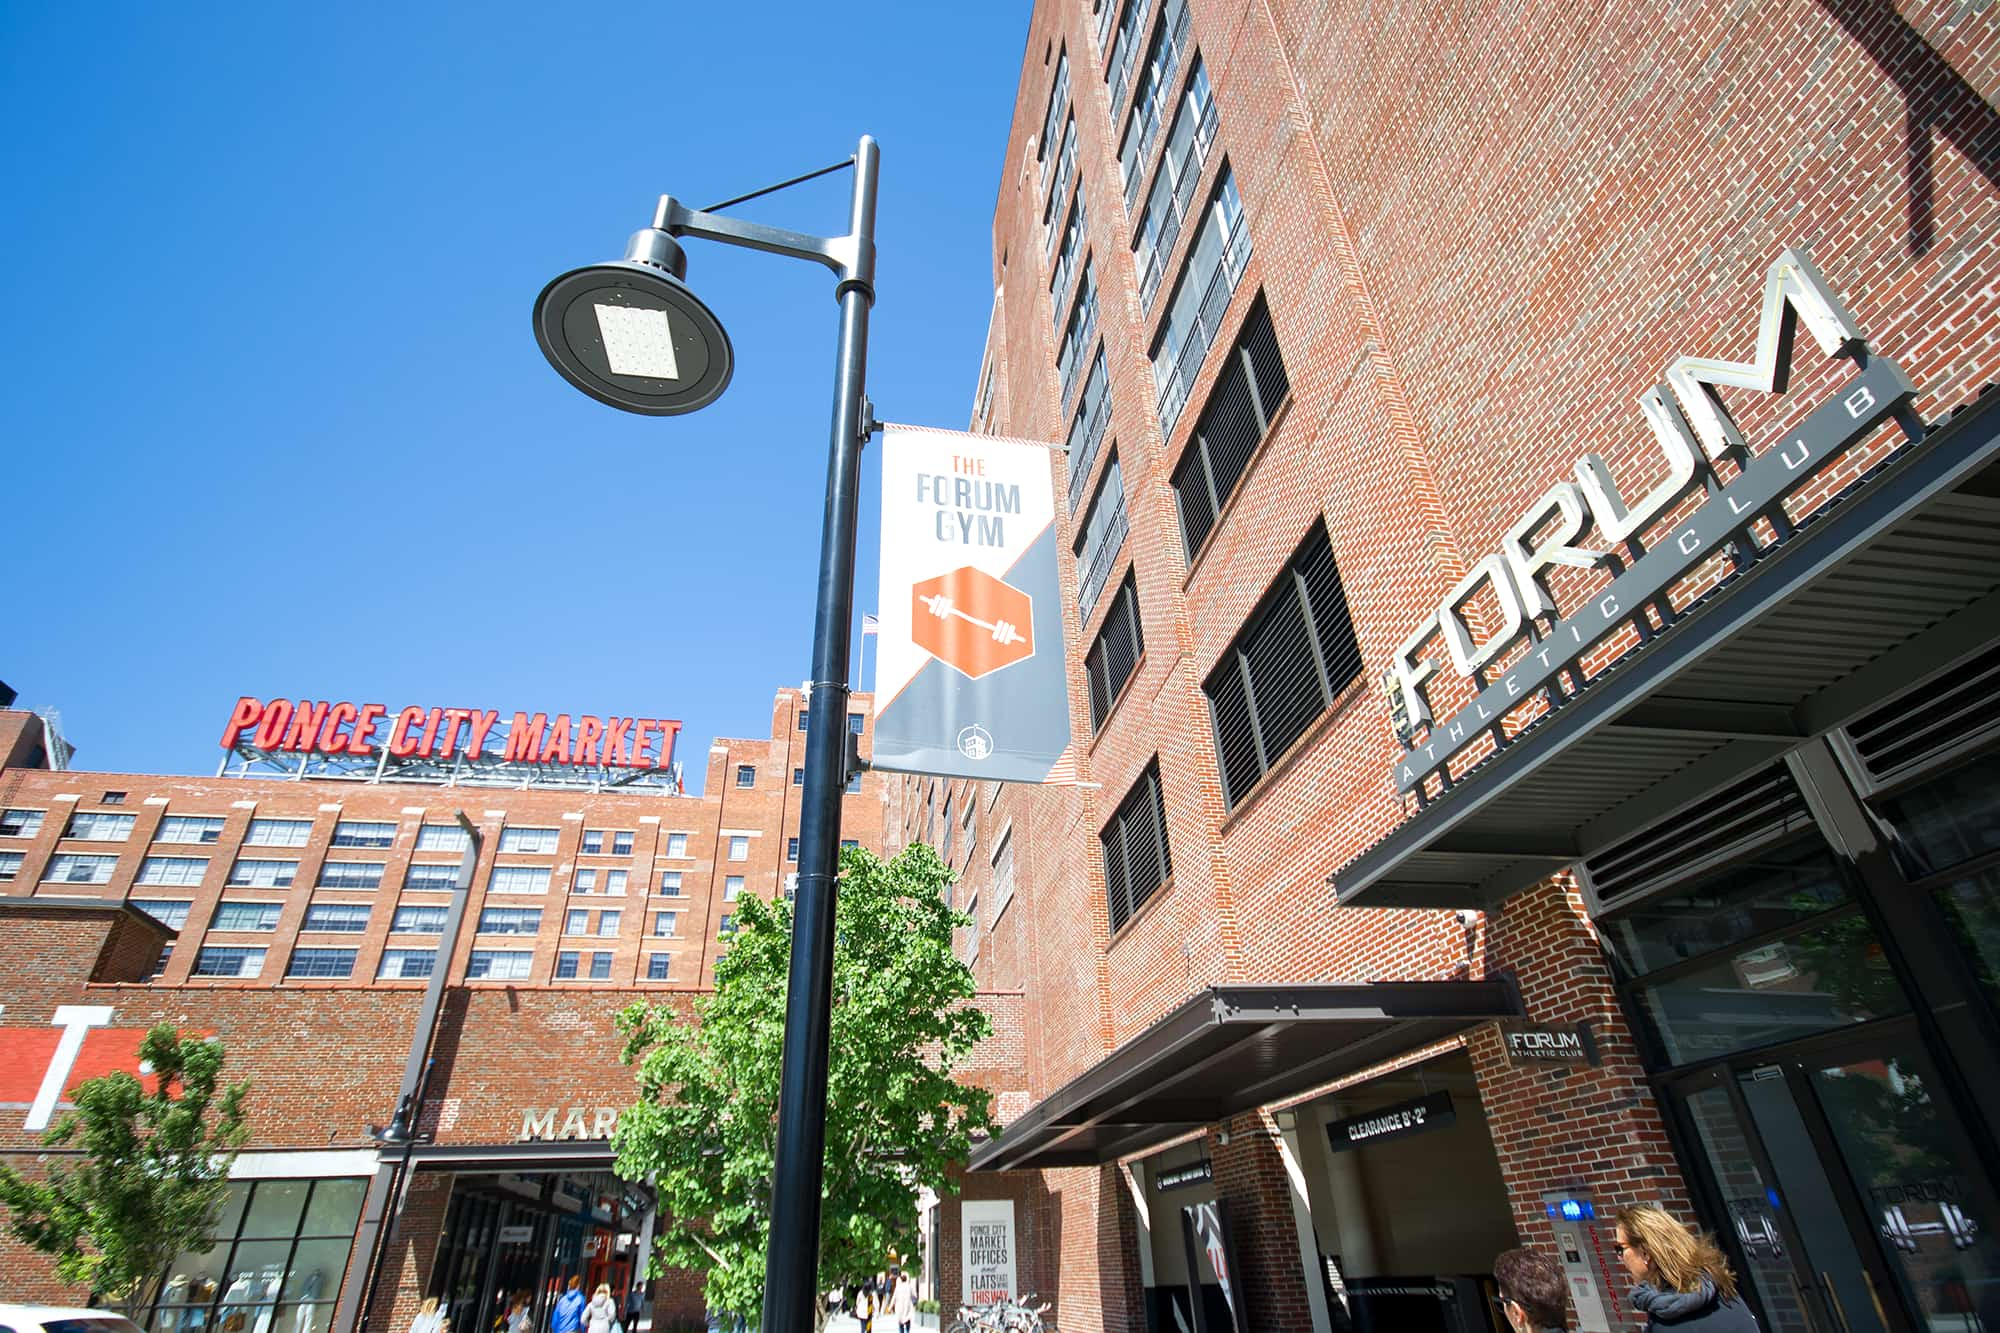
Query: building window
[(20, 823), (1247, 392), (351, 875), (576, 921), (1114, 654), (1086, 433), (286, 1238), (216, 960), (1167, 203), (944, 848), (566, 962), (791, 886), (246, 916), (585, 881), (600, 967), (850, 842), (71, 868), (746, 775), (1124, 50), (1293, 657), (498, 965), (798, 777), (510, 920), (431, 877), (727, 926), (419, 920), (971, 811), (1101, 539), (527, 840), (854, 784), (278, 833), (857, 722), (739, 847), (159, 964), (732, 888), (519, 879), (171, 870), (1051, 215), (621, 842), (1136, 860), (1058, 103), (664, 923), (805, 718), (407, 964), (791, 849), (321, 964), (169, 912), (92, 827), (1078, 334), (345, 918), (1208, 279), (1075, 235), (607, 922), (263, 874), (615, 881), (189, 828), (442, 838), (1003, 871), (114, 798), (1156, 78), (356, 833), (658, 966), (670, 883), (677, 845), (607, 842)]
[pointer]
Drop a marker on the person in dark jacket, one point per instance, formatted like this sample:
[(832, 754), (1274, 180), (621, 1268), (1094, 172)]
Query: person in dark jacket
[(1532, 1291), (1683, 1282)]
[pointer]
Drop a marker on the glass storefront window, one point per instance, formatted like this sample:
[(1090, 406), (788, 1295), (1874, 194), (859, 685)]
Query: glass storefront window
[(1828, 976), (1779, 889), (281, 1249), (1971, 908), (1949, 820)]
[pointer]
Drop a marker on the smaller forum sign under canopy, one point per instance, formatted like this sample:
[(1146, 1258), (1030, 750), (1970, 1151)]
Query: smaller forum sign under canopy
[(457, 746)]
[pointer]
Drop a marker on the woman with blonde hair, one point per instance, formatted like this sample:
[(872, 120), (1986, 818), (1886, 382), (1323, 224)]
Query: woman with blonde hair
[(1683, 1280), (602, 1312)]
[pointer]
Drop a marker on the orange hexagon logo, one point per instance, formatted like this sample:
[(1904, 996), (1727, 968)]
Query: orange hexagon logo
[(973, 622)]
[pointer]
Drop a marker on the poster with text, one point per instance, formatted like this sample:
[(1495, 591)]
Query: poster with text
[(969, 678), (986, 1240)]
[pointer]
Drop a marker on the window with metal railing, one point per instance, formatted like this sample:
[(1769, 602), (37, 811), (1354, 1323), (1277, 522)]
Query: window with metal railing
[(1136, 859), (1188, 144), (1124, 51), (982, 413), (1075, 233), (1293, 657), (1114, 654), (1059, 192), (1078, 335), (1232, 425), (1103, 14), (1208, 279), (1100, 537), (1086, 433), (1058, 104), (1155, 82)]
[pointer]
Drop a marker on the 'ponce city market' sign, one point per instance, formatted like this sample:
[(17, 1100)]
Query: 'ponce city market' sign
[(1692, 430)]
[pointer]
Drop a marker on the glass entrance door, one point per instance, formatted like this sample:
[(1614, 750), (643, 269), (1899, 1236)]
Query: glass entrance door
[(1850, 1188)]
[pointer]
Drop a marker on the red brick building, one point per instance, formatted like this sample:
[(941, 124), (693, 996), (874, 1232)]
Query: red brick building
[(300, 921), (1380, 940)]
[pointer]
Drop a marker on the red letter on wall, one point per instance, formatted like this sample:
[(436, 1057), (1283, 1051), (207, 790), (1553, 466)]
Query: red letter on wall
[(524, 738), (333, 740), (588, 732), (241, 719), (614, 742), (271, 730), (556, 747), (403, 739), (364, 729), (482, 727), (668, 731), (307, 718)]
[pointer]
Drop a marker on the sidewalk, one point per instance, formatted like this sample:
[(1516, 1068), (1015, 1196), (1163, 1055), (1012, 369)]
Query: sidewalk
[(847, 1323)]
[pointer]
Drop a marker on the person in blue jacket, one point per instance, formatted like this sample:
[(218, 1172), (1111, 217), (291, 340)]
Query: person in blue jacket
[(567, 1317), (1683, 1282)]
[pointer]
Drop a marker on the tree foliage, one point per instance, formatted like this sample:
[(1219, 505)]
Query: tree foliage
[(149, 1175), (705, 1123)]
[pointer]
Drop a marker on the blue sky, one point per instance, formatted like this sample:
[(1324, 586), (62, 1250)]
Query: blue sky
[(272, 420)]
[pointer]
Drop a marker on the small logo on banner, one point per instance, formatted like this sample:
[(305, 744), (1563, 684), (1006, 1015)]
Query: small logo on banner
[(975, 742)]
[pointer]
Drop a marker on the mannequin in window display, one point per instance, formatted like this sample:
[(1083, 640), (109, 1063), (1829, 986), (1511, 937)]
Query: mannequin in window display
[(309, 1289), (269, 1280), (234, 1316), (172, 1297), (200, 1296)]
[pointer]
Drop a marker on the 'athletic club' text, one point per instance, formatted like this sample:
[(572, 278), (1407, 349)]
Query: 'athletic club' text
[(364, 730)]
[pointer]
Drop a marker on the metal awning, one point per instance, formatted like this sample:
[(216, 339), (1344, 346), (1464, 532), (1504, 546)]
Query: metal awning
[(1230, 1048), (1879, 587)]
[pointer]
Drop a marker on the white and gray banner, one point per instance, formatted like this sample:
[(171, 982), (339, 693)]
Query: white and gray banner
[(969, 678)]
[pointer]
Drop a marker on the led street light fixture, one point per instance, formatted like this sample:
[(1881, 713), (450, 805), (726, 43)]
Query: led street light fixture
[(631, 334)]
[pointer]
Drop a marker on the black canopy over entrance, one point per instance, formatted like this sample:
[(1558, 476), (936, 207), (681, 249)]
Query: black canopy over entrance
[(1230, 1048)]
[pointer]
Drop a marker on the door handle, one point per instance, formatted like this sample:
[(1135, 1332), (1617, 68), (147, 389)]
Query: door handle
[(1875, 1296), (1804, 1306), (1833, 1299)]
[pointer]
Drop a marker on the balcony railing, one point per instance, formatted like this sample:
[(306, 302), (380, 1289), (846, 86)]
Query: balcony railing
[(1186, 360), (1177, 200), (1086, 436), (1102, 548), (1148, 116)]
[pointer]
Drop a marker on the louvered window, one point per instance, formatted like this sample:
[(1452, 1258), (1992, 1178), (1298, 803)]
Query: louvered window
[(1136, 860), (1239, 411), (1295, 655), (1115, 652), (1956, 713)]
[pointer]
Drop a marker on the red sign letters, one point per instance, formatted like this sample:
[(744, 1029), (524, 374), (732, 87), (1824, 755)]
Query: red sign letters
[(361, 731)]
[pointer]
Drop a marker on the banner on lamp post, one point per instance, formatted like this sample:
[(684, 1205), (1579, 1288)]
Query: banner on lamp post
[(969, 668)]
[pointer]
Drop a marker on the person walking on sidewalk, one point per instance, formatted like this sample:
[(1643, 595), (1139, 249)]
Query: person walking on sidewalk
[(1532, 1291), (601, 1315), (567, 1317), (902, 1299), (1683, 1280)]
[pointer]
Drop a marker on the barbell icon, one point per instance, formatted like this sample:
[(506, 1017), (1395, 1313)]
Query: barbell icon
[(1002, 631)]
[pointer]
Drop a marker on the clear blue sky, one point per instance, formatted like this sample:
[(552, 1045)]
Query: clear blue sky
[(272, 419)]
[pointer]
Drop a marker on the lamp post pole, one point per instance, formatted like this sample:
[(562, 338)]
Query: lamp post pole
[(594, 324)]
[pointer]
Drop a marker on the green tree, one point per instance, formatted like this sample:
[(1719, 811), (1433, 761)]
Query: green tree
[(704, 1127), (149, 1176)]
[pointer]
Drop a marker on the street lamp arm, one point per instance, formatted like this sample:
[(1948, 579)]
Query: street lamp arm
[(851, 256)]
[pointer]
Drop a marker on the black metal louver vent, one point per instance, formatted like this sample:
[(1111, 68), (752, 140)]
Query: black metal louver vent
[(1952, 713), (1760, 809)]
